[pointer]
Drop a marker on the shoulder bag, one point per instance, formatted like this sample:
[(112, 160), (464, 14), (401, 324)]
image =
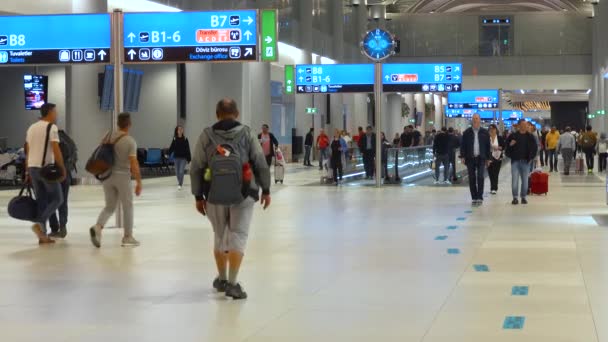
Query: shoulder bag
[(51, 173)]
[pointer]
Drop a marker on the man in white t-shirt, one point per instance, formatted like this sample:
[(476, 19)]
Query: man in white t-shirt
[(48, 195)]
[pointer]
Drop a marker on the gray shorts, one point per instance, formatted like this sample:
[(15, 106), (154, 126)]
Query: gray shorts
[(231, 224)]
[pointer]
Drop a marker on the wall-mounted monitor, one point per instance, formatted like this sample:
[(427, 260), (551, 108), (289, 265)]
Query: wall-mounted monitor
[(36, 89)]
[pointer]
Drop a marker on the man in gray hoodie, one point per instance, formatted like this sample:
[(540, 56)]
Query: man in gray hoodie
[(227, 171), (567, 147)]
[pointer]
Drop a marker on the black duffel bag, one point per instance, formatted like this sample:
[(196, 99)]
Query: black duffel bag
[(24, 206)]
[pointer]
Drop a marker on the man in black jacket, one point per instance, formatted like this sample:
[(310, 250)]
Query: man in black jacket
[(441, 150), (308, 143), (454, 145), (521, 148), (367, 144), (475, 152)]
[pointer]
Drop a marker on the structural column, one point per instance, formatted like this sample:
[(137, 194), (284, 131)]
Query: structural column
[(84, 120)]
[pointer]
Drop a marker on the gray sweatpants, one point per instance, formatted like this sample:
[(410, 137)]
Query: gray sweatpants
[(231, 225), (568, 155), (116, 189)]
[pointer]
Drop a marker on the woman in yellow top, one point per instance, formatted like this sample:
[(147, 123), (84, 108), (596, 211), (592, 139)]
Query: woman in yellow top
[(552, 141)]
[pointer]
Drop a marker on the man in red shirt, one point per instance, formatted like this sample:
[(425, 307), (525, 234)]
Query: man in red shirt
[(323, 146)]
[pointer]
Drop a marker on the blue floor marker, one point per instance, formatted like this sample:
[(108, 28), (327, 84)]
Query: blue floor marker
[(468, 212), (452, 227), (441, 237), (461, 219), (481, 268), (453, 251), (520, 291), (514, 322)]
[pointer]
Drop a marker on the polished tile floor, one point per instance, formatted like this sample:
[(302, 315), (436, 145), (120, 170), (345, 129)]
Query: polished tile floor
[(350, 263)]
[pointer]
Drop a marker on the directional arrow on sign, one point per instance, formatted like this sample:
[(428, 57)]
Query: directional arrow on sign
[(301, 79), (249, 20), (457, 78), (131, 36), (102, 54), (288, 81), (132, 54), (248, 52), (248, 35), (300, 71), (300, 88), (268, 39), (387, 77)]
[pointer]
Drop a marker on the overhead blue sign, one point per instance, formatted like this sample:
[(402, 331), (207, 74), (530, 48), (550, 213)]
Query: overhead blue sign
[(55, 39), (512, 114), (191, 36), (334, 78), (474, 99), (438, 77)]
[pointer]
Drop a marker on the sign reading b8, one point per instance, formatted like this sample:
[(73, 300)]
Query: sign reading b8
[(13, 40)]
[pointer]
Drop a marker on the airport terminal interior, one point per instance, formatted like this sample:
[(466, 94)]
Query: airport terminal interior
[(371, 123)]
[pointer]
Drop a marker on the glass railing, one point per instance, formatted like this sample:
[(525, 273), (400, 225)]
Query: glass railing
[(399, 165)]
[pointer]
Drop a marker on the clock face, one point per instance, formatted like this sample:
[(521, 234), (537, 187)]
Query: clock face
[(378, 44)]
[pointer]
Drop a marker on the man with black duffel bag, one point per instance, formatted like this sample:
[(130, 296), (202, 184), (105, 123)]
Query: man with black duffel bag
[(43, 154)]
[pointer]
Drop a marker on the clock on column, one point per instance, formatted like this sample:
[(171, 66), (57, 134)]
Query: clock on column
[(378, 44)]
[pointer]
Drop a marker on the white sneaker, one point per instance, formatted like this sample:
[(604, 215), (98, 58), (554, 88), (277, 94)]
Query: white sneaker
[(95, 233), (447, 182), (179, 187), (436, 182), (129, 242), (493, 192)]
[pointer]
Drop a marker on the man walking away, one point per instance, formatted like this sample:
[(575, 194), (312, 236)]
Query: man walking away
[(588, 140), (308, 142), (441, 150), (521, 148), (543, 149), (406, 137), (323, 147), (69, 151), (223, 150), (454, 146), (567, 147), (552, 140), (269, 143), (368, 150), (39, 153), (117, 188), (475, 152)]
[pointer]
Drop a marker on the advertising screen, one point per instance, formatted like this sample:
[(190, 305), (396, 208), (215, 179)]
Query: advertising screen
[(36, 88)]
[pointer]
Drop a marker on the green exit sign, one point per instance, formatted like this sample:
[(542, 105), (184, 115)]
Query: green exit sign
[(290, 81), (312, 110), (601, 112), (269, 36)]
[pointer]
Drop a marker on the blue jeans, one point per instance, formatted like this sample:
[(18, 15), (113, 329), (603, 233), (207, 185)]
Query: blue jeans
[(48, 197), (520, 169), (180, 169), (323, 155), (63, 208)]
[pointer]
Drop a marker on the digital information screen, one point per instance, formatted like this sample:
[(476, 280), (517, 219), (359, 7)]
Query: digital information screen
[(36, 91), (422, 77), (334, 78), (55, 39), (191, 36), (474, 99), (512, 114)]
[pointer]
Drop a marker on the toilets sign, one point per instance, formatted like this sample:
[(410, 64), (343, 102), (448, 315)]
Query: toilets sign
[(55, 39), (217, 36)]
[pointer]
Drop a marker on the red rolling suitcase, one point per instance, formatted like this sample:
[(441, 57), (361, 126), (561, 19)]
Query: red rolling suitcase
[(539, 183)]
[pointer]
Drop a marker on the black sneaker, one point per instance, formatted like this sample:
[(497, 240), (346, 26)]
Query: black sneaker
[(235, 291), (220, 285), (515, 201), (60, 234), (524, 201)]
